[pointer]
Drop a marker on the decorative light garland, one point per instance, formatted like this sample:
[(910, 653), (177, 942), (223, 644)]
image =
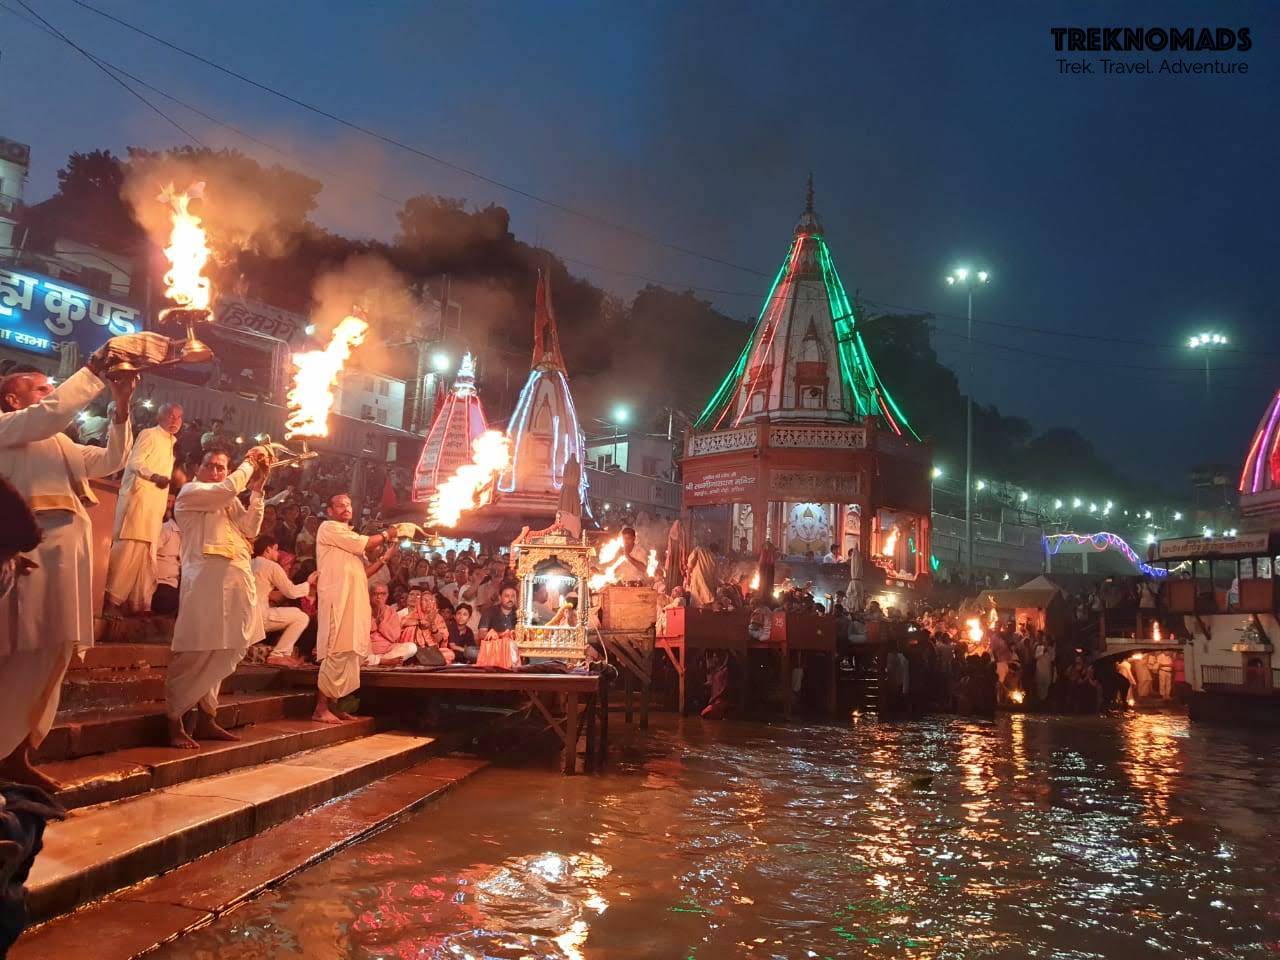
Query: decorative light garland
[(865, 391), (1101, 541)]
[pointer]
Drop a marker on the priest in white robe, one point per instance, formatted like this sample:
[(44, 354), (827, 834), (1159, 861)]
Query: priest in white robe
[(632, 566), (343, 613), (218, 615), (49, 612), (144, 493)]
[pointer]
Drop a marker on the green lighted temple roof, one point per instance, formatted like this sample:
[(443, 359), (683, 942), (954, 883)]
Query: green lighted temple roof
[(864, 392)]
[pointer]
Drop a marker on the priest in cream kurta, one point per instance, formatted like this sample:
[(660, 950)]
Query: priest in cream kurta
[(144, 493), (218, 613), (343, 615), (49, 612)]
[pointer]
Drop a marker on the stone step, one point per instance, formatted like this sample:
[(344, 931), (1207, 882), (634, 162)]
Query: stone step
[(135, 770), (121, 656), (104, 848), (80, 733), (134, 921), (111, 688), (155, 630)]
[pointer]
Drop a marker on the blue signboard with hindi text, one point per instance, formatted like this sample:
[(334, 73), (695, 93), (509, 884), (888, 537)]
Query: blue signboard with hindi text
[(41, 315)]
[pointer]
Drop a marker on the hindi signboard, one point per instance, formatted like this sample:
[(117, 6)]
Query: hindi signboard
[(41, 315), (814, 486), (719, 486), (1183, 548), (261, 319)]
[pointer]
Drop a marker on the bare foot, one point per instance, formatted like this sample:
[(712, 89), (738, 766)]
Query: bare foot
[(283, 661), (178, 736), (343, 715), (18, 768), (391, 662), (327, 716), (208, 728)]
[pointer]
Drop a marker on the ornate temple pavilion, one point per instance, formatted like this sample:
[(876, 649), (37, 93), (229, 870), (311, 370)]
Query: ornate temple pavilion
[(458, 422), (802, 444)]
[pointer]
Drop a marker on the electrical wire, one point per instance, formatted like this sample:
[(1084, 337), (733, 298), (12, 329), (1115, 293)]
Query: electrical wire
[(671, 286), (409, 148), (94, 60)]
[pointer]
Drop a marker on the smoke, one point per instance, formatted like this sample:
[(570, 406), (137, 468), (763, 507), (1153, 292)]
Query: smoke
[(368, 284), (245, 205)]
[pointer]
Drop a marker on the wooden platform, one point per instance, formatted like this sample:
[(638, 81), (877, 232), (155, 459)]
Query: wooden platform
[(584, 698), (792, 639)]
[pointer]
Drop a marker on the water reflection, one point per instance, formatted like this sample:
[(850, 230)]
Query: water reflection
[(1068, 838)]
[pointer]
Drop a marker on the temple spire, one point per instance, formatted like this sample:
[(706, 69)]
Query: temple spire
[(809, 222)]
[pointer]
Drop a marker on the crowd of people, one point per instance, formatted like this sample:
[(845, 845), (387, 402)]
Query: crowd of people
[(940, 659), (195, 536)]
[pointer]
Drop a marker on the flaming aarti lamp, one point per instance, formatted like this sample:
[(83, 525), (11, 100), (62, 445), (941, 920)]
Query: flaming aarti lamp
[(192, 349)]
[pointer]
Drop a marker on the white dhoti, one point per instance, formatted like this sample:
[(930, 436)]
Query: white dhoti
[(32, 686), (292, 621), (195, 677), (43, 619), (398, 651), (131, 574), (340, 674)]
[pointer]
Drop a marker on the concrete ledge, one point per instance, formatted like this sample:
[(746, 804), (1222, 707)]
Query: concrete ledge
[(79, 733), (100, 849), (156, 911), (135, 770)]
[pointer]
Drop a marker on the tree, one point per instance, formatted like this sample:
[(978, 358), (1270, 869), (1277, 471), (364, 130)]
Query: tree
[(89, 206)]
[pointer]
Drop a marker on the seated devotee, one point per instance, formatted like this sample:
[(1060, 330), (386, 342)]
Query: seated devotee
[(497, 631), (462, 639), (386, 648), (270, 577), (422, 625)]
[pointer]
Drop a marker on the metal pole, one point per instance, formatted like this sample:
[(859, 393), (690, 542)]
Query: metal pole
[(1207, 394), (968, 449)]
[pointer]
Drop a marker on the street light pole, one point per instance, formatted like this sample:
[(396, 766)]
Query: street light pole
[(968, 445), (1207, 343), (967, 279)]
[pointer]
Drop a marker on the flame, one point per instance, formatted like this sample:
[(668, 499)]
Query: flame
[(651, 566), (610, 557), (311, 397), (188, 250), (993, 618), (471, 483), (890, 543), (1017, 696), (1156, 635), (755, 580), (973, 630), (1131, 702)]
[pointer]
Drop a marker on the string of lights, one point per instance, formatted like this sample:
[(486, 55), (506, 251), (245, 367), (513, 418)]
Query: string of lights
[(1101, 541)]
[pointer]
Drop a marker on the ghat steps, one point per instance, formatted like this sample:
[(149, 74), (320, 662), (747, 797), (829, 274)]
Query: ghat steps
[(140, 809)]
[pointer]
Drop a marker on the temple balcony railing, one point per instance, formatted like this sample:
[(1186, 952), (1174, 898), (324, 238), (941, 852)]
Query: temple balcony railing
[(804, 436)]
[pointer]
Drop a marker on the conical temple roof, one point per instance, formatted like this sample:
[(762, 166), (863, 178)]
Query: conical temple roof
[(458, 421), (543, 430), (806, 359), (1262, 464)]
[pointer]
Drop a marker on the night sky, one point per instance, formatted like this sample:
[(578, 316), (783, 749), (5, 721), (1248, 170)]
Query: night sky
[(1131, 208)]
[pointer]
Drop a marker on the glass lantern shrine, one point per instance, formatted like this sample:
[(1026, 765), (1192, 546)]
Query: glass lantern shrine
[(552, 567)]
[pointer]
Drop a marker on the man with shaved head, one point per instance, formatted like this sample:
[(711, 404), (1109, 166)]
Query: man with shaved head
[(49, 612), (144, 493)]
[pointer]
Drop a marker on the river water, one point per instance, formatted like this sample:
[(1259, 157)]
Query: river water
[(1027, 837)]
